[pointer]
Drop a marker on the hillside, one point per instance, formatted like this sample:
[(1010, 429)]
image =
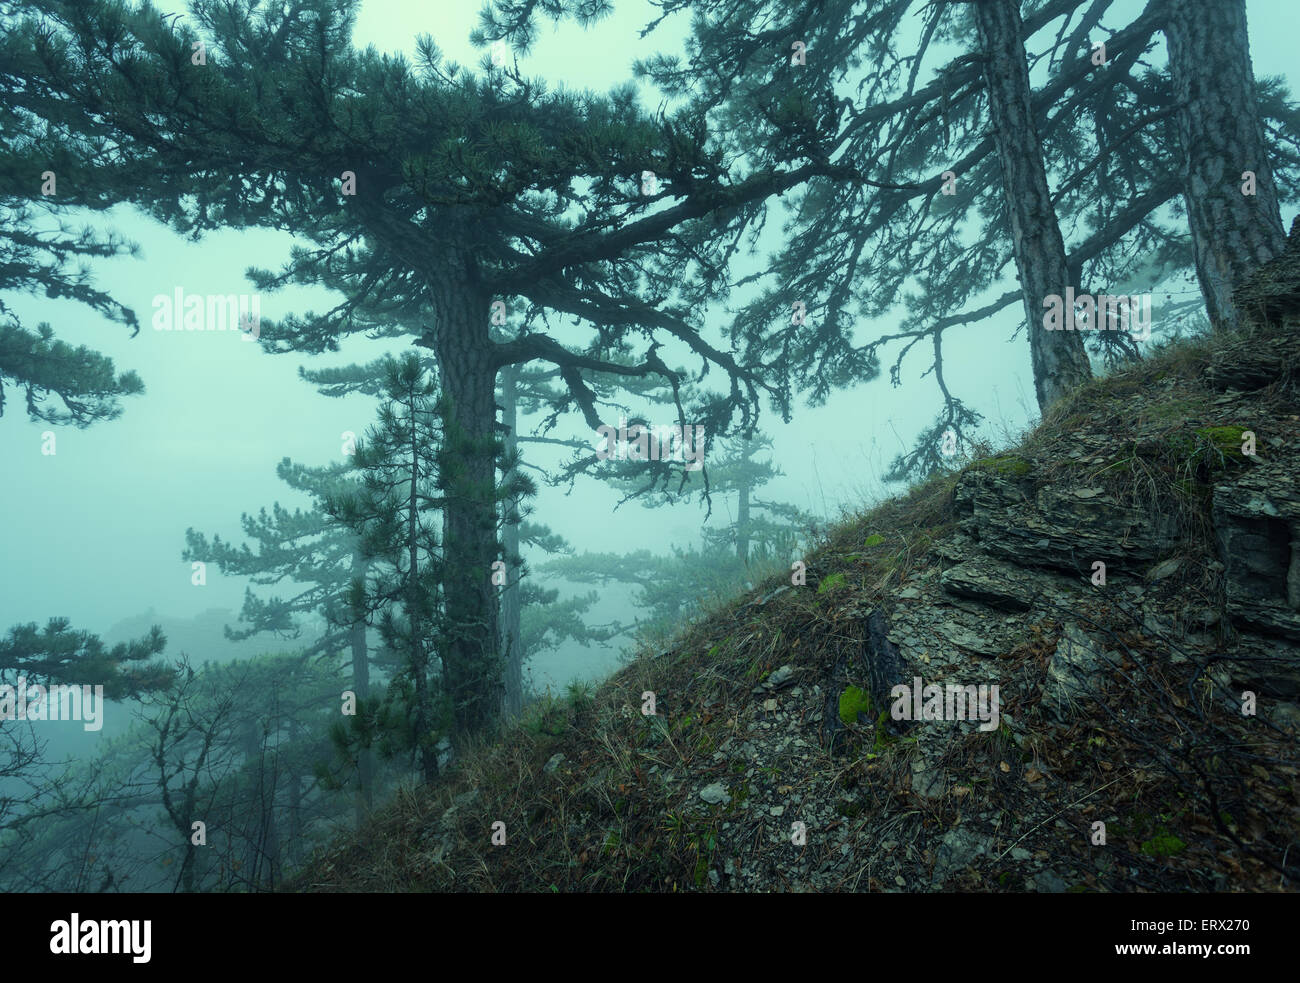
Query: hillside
[(1121, 698)]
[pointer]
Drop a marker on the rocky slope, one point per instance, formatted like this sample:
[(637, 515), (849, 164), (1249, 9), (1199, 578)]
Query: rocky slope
[(1129, 579)]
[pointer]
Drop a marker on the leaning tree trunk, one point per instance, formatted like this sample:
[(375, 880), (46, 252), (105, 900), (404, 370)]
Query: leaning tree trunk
[(512, 701), (468, 467), (1222, 137), (1059, 360)]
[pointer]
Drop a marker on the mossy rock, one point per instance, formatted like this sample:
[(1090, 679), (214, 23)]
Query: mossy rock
[(1007, 464), (1215, 446), (1227, 440), (852, 702)]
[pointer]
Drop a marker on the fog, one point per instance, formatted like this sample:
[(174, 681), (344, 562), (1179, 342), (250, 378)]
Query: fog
[(95, 531)]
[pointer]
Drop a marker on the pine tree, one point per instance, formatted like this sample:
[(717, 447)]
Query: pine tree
[(41, 178), (759, 542), (319, 560), (400, 462), (57, 654), (872, 90), (456, 190)]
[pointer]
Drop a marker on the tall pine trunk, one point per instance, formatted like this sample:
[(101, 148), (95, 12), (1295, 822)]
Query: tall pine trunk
[(1222, 137), (361, 686), (414, 607), (468, 466), (1059, 360), (512, 701), (742, 517)]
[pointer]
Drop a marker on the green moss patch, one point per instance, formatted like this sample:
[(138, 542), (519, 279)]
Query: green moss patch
[(830, 583), (852, 702), (1227, 440), (1008, 464), (1163, 844)]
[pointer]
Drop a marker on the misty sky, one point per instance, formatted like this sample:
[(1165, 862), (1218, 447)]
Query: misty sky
[(95, 533)]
